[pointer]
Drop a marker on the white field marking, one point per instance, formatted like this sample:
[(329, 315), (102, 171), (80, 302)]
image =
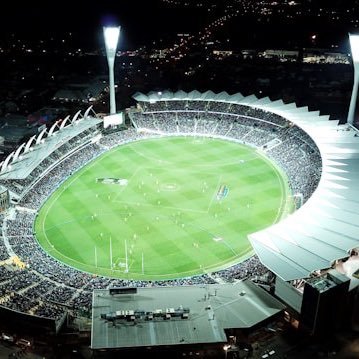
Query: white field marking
[(170, 187), (169, 207), (159, 160), (121, 215), (86, 265), (120, 262), (161, 206), (123, 187), (283, 203), (214, 267), (169, 276), (214, 194), (61, 255), (230, 163), (54, 199), (64, 186), (235, 162), (211, 268)]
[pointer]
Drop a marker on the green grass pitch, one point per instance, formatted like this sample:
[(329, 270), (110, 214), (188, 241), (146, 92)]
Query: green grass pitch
[(184, 206)]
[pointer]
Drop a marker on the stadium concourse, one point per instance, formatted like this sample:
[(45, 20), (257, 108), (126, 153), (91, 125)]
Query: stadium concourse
[(320, 158)]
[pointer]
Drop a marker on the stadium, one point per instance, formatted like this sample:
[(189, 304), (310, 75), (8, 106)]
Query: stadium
[(191, 189)]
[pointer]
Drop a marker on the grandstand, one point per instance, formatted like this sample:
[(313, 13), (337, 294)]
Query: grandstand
[(4, 199), (320, 158)]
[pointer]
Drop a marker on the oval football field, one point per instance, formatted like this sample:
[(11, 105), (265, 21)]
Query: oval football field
[(163, 208)]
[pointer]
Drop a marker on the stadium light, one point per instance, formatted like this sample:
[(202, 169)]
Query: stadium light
[(111, 35), (354, 45)]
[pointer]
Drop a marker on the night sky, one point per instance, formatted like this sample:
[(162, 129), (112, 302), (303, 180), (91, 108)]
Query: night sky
[(141, 21), (145, 21)]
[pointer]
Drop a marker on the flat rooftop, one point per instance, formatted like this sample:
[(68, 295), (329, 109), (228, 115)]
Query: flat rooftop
[(139, 319)]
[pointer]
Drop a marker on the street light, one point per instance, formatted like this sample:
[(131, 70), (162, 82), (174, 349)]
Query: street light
[(354, 45), (111, 35)]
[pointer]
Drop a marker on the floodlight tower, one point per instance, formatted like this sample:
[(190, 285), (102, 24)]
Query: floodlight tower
[(354, 45), (111, 35)]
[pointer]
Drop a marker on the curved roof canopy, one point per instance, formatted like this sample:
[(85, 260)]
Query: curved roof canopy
[(21, 162)]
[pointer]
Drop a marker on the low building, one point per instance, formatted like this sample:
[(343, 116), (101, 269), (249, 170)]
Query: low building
[(199, 317)]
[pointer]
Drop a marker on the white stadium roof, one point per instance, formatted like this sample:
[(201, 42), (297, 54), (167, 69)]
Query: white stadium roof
[(21, 162), (326, 227)]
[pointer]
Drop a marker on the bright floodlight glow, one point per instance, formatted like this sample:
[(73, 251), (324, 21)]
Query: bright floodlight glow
[(111, 35), (354, 44)]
